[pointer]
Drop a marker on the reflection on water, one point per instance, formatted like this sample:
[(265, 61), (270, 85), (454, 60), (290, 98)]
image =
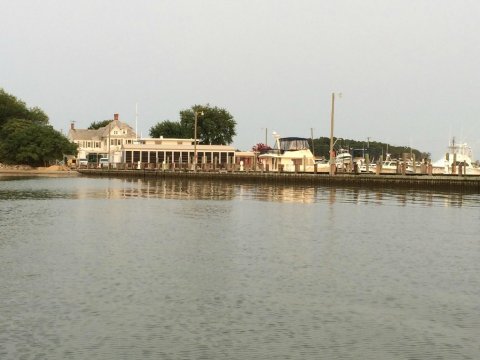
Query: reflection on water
[(169, 269), (187, 189)]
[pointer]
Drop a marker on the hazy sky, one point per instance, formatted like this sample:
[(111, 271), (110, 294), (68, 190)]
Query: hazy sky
[(409, 71)]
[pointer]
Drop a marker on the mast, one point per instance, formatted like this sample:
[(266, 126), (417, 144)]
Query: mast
[(136, 120)]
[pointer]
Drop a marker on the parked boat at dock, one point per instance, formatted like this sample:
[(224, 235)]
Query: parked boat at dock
[(291, 154), (343, 160), (458, 156)]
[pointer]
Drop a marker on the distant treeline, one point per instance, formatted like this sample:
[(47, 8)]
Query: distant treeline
[(321, 148)]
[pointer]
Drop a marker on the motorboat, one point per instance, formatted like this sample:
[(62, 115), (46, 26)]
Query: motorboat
[(458, 156), (389, 167), (360, 157), (291, 154), (343, 160), (394, 166)]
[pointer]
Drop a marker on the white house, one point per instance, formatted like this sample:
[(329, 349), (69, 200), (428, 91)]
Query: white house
[(103, 142)]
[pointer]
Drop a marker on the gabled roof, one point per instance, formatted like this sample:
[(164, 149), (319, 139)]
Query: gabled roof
[(101, 133), (122, 126), (85, 134)]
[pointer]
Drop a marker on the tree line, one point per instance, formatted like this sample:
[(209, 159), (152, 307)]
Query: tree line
[(376, 149)]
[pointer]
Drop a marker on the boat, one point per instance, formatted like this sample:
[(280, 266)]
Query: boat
[(360, 157), (343, 160), (458, 157), (356, 159), (291, 154), (394, 166)]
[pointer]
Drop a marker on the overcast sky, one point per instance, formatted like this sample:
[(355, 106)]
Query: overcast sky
[(409, 71)]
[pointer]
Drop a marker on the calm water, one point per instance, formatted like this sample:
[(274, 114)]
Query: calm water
[(127, 269)]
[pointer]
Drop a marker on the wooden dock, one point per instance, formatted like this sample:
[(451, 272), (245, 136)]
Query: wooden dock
[(457, 183)]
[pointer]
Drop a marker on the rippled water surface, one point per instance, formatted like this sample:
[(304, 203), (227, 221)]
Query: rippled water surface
[(134, 269)]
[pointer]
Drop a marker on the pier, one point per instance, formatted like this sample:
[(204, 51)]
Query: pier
[(460, 183)]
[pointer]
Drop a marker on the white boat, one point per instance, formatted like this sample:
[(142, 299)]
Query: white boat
[(343, 160), (394, 166), (291, 154), (458, 156), (359, 157), (390, 167), (346, 161)]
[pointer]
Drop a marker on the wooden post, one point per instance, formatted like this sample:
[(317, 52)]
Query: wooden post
[(332, 159), (404, 164)]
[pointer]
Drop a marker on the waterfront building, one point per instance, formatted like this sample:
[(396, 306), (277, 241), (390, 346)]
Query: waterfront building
[(105, 142), (119, 143)]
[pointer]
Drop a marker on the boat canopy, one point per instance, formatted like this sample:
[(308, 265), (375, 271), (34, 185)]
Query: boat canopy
[(292, 144)]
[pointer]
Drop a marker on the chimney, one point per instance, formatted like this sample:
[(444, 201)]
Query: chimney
[(115, 116), (72, 125)]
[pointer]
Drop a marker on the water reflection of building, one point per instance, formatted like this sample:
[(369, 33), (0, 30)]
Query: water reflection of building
[(169, 189)]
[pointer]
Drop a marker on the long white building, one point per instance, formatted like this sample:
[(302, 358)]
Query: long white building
[(119, 143)]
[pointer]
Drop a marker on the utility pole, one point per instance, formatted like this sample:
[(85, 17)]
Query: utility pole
[(196, 113), (332, 160), (313, 145)]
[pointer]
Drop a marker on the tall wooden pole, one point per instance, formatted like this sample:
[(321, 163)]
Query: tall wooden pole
[(195, 143), (313, 145), (332, 114)]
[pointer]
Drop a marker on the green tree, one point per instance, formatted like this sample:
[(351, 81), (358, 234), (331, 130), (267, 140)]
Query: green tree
[(99, 124), (26, 142), (215, 125), (26, 137), (168, 129), (12, 108)]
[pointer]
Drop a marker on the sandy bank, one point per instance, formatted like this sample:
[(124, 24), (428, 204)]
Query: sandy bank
[(56, 170)]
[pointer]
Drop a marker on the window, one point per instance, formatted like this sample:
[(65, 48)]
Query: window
[(176, 157), (136, 156), (161, 156), (223, 158), (153, 156)]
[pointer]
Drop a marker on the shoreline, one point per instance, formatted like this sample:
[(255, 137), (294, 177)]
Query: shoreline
[(21, 170)]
